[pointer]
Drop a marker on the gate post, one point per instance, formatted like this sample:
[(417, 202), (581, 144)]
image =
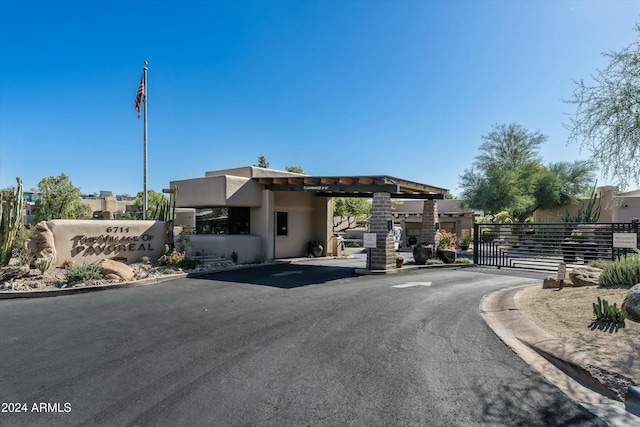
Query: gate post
[(429, 228), (476, 244), (383, 256)]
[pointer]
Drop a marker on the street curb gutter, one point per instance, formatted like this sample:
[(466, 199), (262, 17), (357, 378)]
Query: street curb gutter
[(632, 402), (119, 285), (502, 315), (84, 289)]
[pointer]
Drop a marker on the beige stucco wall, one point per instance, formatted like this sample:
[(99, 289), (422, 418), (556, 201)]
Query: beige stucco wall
[(93, 240), (626, 208), (218, 191), (109, 204), (308, 220), (556, 214), (248, 247), (185, 217)]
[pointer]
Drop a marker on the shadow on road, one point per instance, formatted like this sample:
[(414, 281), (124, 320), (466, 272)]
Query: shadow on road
[(284, 276)]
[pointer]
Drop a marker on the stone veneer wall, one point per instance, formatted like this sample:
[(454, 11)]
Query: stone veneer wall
[(428, 230), (383, 256)]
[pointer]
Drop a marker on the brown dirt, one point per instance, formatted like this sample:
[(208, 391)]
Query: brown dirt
[(568, 315)]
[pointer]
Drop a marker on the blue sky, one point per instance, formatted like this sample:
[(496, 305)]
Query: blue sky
[(353, 87)]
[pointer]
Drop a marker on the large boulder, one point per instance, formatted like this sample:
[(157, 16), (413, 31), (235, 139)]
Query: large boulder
[(40, 243), (550, 282), (585, 276), (631, 302), (116, 270)]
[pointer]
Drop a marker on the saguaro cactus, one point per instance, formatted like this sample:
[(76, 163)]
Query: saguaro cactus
[(10, 221)]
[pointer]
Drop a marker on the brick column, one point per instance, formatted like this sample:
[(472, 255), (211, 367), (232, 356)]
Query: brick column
[(428, 230), (383, 256)]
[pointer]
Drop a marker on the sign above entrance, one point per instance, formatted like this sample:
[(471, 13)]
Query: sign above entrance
[(356, 188)]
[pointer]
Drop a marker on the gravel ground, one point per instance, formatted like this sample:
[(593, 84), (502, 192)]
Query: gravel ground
[(568, 315)]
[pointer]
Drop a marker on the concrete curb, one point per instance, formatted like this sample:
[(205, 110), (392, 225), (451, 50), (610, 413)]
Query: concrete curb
[(632, 402), (83, 289), (501, 314), (123, 285)]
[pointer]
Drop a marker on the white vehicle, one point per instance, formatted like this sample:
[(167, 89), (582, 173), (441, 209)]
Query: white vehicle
[(397, 237)]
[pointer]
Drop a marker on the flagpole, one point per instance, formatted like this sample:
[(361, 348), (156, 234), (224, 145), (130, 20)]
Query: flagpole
[(146, 94)]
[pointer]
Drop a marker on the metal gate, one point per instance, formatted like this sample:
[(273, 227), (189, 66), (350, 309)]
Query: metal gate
[(545, 245)]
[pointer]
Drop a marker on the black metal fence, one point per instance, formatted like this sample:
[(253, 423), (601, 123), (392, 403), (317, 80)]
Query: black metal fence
[(545, 245)]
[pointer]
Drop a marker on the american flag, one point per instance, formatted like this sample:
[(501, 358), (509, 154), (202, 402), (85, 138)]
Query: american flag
[(142, 93)]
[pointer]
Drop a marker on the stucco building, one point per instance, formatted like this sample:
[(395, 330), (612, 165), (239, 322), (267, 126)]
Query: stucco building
[(265, 214)]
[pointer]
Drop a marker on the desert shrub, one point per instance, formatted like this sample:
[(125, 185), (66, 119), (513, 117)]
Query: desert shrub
[(625, 271), (43, 264), (145, 260), (463, 261), (172, 257), (86, 272), (433, 262), (599, 263), (67, 262), (190, 263), (184, 242), (168, 271), (25, 257), (18, 242), (609, 313)]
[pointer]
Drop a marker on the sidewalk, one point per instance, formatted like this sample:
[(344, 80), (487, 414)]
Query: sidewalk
[(558, 363)]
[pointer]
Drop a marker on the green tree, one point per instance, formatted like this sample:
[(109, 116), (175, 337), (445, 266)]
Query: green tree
[(262, 162), (508, 175), (348, 211), (607, 116), (154, 201), (294, 169), (59, 199)]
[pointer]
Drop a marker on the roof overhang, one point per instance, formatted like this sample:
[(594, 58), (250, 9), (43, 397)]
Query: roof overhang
[(353, 186)]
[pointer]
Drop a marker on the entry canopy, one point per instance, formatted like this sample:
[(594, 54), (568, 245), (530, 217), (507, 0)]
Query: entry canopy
[(354, 186)]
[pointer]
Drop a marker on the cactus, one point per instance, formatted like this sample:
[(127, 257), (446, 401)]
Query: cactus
[(43, 264), (10, 221), (610, 313)]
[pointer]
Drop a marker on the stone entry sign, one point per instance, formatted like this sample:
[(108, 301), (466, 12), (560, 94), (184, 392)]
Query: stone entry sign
[(95, 240)]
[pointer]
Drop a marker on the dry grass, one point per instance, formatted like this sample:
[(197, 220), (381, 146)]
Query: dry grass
[(568, 315)]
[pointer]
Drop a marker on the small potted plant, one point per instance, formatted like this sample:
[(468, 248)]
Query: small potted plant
[(422, 252), (447, 247), (464, 242), (399, 260)]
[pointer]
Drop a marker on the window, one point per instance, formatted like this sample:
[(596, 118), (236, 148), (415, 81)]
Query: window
[(223, 221), (281, 223)]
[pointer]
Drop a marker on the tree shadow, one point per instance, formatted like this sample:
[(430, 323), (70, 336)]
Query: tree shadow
[(606, 326), (531, 402)]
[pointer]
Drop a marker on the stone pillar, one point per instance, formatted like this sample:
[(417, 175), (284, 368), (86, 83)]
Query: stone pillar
[(428, 230), (383, 256)]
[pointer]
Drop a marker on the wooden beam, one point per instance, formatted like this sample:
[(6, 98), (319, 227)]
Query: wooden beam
[(311, 181), (346, 181), (328, 181)]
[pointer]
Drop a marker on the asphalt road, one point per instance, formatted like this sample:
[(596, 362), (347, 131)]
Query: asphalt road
[(282, 345)]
